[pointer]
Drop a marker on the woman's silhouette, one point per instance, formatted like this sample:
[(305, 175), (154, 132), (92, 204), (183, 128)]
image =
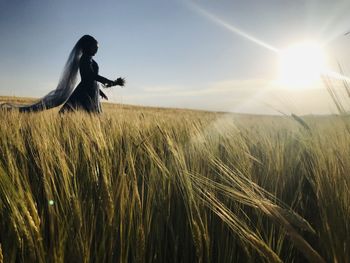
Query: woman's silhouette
[(86, 96)]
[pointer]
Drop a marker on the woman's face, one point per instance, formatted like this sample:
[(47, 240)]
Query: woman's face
[(93, 49)]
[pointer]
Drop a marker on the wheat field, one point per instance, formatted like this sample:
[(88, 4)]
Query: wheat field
[(138, 184)]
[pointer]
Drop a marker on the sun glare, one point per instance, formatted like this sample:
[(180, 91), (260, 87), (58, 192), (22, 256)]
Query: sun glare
[(301, 65)]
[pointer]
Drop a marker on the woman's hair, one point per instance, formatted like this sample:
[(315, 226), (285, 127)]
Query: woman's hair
[(86, 42), (67, 80)]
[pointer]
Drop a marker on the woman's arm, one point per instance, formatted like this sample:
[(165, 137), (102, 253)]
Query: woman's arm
[(88, 73), (104, 80)]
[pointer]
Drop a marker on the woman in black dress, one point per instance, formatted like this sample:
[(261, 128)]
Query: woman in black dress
[(86, 96)]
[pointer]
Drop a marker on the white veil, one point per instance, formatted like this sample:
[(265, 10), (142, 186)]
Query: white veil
[(65, 85)]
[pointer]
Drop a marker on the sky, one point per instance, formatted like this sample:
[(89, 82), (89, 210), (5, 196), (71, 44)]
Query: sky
[(213, 55)]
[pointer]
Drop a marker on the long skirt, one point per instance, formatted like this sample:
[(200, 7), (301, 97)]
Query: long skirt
[(86, 97)]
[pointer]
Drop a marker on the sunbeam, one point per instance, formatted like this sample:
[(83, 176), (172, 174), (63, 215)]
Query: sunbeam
[(332, 28), (232, 28), (336, 75)]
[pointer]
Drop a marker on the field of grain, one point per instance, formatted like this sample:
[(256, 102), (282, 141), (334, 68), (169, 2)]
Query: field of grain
[(159, 185)]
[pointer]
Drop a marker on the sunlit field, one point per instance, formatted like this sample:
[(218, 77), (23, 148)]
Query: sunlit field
[(164, 185)]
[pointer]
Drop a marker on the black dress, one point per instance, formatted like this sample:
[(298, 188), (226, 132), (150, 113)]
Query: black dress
[(86, 95)]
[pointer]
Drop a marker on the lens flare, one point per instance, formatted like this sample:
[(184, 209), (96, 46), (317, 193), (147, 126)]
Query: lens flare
[(301, 65), (232, 28)]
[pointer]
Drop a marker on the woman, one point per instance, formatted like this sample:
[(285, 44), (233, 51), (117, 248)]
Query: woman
[(86, 95)]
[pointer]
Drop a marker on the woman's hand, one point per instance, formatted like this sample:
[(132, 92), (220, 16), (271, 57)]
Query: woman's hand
[(119, 82)]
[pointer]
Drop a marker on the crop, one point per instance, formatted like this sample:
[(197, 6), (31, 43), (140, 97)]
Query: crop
[(153, 185)]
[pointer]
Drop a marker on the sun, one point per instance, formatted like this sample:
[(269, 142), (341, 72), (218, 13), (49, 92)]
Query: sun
[(301, 65)]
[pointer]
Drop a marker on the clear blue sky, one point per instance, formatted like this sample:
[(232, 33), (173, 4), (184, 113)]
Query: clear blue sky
[(170, 52)]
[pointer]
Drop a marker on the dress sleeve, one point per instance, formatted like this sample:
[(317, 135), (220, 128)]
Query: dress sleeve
[(101, 79), (87, 71)]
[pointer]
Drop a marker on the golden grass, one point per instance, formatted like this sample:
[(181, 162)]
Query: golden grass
[(153, 185)]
